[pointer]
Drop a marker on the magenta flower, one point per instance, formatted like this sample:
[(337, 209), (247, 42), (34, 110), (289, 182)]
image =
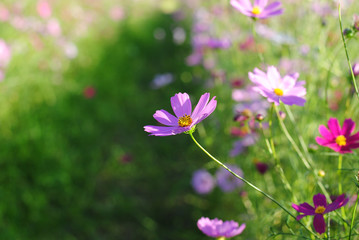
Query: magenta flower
[(320, 208), (337, 138), (185, 119), (260, 9), (217, 228), (275, 88)]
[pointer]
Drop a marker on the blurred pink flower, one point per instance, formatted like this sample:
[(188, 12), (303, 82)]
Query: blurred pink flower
[(5, 54), (18, 22), (216, 228), (44, 9), (4, 14), (89, 92), (117, 13), (53, 27)]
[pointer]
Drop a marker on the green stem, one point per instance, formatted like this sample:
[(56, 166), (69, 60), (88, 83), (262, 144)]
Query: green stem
[(340, 188), (346, 51), (272, 150), (301, 140), (300, 154), (340, 163), (290, 139), (353, 216), (250, 184), (260, 55)]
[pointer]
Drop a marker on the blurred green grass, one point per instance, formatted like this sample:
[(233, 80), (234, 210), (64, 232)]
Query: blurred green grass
[(62, 173)]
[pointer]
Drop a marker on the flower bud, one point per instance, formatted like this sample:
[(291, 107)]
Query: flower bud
[(282, 115), (261, 167), (348, 33), (356, 22), (312, 148), (259, 117), (355, 69), (321, 173)]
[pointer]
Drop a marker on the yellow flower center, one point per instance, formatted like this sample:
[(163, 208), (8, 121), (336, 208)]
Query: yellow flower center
[(320, 209), (185, 121), (256, 10), (341, 140), (278, 92)]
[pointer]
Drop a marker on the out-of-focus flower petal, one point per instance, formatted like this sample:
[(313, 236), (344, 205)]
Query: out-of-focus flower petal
[(319, 223)]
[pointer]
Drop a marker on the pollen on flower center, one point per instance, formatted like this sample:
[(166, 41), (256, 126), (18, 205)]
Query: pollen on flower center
[(341, 140), (256, 10), (320, 209), (185, 121), (278, 92)]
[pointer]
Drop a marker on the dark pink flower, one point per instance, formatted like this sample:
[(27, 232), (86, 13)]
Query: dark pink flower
[(217, 228), (320, 208), (89, 92), (339, 138), (185, 119)]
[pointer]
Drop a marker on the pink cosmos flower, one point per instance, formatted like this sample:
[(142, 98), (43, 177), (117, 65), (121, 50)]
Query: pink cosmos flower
[(44, 9), (217, 228), (260, 9), (320, 208), (275, 88), (185, 119), (337, 138)]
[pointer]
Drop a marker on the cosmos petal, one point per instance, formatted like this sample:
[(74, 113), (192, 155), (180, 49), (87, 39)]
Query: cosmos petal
[(319, 223)]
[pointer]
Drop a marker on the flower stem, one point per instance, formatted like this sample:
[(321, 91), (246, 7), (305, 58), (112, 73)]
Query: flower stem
[(250, 184), (346, 51), (290, 139), (340, 188), (340, 163), (272, 150), (260, 55), (300, 154), (353, 217)]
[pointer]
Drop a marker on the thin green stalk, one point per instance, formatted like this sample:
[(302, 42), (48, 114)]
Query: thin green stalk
[(290, 139), (301, 140), (346, 51), (272, 151), (300, 154), (340, 188), (250, 184), (260, 55), (340, 164), (353, 216), (328, 225)]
